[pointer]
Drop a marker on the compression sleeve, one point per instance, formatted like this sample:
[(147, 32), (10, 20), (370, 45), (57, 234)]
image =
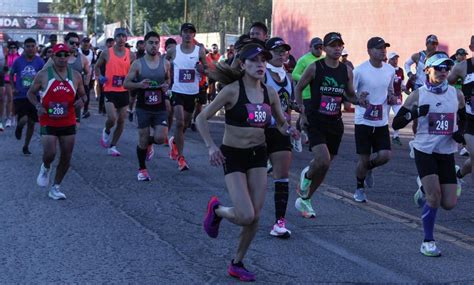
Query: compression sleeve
[(408, 64), (402, 118)]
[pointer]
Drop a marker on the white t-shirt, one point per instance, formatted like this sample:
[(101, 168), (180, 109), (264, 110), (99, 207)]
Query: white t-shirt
[(375, 81)]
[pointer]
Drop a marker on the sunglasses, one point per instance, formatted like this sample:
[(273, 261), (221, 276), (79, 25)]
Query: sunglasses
[(74, 43), (442, 68), (62, 54)]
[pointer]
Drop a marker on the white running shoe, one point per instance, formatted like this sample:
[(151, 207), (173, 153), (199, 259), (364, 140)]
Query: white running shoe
[(143, 175), (430, 249), (8, 123), (105, 139), (412, 149), (113, 151), (279, 229), (459, 181), (297, 145), (55, 194), (1, 127), (464, 152), (43, 177)]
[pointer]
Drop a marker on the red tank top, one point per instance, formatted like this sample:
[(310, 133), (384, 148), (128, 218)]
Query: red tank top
[(116, 70), (58, 100)]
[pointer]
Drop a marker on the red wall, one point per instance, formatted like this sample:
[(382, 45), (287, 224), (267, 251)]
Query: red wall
[(403, 23)]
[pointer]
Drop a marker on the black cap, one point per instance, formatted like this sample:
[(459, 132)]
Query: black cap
[(120, 31), (316, 42), (461, 51), (12, 44), (332, 37), (86, 40), (431, 39), (276, 42), (377, 42), (252, 50), (188, 26)]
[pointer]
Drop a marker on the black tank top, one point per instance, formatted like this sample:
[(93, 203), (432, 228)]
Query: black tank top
[(327, 91), (468, 83), (246, 114)]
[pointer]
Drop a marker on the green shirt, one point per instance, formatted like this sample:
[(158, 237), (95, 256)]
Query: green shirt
[(300, 68)]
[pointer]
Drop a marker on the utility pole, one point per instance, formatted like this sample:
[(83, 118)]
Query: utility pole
[(185, 11), (131, 17)]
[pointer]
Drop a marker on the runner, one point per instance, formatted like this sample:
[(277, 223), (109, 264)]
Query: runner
[(116, 60), (203, 95), (149, 76), (465, 71), (3, 68), (279, 145), (243, 152), (438, 107), (398, 87), (329, 80), (140, 46), (22, 73), (213, 58), (185, 58), (87, 50), (12, 55), (56, 111), (375, 79), (344, 56), (418, 79), (170, 44), (259, 30)]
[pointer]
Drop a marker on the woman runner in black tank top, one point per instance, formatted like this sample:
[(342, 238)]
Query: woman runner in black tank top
[(243, 152)]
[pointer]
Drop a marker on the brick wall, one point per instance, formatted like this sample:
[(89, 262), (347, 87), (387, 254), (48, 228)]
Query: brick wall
[(403, 23)]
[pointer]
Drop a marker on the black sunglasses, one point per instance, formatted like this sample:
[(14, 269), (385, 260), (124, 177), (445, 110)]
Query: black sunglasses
[(62, 54), (74, 43), (442, 68)]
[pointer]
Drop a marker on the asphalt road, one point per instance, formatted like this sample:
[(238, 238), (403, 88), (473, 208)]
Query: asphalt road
[(114, 229)]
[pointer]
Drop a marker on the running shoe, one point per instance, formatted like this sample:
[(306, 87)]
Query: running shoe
[(43, 177), (304, 137), (305, 208), (397, 141), (359, 195), (113, 151), (26, 151), (55, 194), (419, 196), (269, 167), (8, 123), (303, 187), (143, 175), (430, 249), (464, 152), (150, 151), (279, 229), (105, 139), (296, 144), (1, 127), (86, 115), (412, 149), (212, 221), (239, 271), (369, 179), (18, 131), (182, 164), (459, 183), (173, 149)]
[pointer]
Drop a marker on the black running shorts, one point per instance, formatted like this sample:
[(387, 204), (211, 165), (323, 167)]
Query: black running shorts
[(442, 165), (371, 139), (243, 159)]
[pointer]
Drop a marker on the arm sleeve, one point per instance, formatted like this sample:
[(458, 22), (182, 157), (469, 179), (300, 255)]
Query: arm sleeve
[(408, 64), (298, 71), (458, 135), (400, 120)]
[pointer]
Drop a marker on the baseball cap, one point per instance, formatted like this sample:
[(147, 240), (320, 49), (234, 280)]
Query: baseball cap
[(277, 42), (188, 26), (86, 40), (438, 58), (392, 55), (344, 52), (316, 41), (59, 48), (461, 51), (12, 44), (120, 31), (252, 50), (432, 39), (332, 37), (377, 42)]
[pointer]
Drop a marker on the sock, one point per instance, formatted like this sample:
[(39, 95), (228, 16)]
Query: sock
[(151, 140), (458, 174), (281, 198), (141, 154), (428, 216), (360, 182), (306, 176), (371, 165)]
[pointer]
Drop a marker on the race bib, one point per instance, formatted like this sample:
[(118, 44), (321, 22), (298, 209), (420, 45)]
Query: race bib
[(441, 123), (330, 105), (26, 81), (57, 110), (153, 97), (259, 115), (373, 112), (187, 75), (117, 81)]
